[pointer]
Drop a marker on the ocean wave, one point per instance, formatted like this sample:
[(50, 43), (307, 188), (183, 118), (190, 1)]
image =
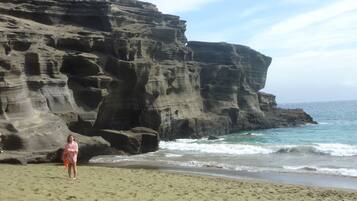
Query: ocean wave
[(231, 149), (299, 150), (212, 164), (302, 169), (173, 155), (188, 140), (112, 159), (342, 150), (321, 170), (338, 150), (200, 164)]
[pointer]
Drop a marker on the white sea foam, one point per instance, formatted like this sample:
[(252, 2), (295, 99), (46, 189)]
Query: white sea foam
[(257, 134), (337, 149), (113, 159), (232, 149), (321, 170), (194, 163), (251, 134), (341, 150), (187, 140), (96, 160), (217, 140), (173, 155), (212, 164)]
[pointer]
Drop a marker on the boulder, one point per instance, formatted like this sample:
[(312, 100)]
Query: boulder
[(13, 158), (88, 148), (135, 141)]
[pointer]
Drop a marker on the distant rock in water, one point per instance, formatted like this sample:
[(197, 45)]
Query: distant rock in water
[(212, 137), (114, 65)]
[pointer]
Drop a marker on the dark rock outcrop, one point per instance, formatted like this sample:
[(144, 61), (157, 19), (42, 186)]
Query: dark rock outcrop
[(106, 67), (212, 137), (134, 141), (231, 79), (89, 147)]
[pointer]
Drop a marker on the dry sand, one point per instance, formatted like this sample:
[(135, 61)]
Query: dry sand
[(49, 182)]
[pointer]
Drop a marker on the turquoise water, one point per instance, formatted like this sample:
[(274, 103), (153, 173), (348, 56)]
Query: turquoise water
[(329, 147), (337, 124)]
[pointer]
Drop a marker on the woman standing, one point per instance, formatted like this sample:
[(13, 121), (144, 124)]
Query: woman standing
[(70, 154)]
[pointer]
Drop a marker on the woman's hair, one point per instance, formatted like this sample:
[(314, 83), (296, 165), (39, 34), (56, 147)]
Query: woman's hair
[(69, 137)]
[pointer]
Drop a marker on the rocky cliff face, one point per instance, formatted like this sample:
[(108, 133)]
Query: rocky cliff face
[(91, 66), (231, 78)]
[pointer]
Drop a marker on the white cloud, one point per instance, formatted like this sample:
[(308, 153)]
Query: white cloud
[(331, 25), (254, 10), (177, 6), (299, 1), (314, 76), (225, 34), (314, 54)]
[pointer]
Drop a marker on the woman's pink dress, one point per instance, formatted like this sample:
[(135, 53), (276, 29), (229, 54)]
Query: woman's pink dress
[(71, 152)]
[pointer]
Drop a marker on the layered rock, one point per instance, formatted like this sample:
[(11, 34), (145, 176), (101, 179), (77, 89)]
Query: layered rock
[(231, 79), (112, 65)]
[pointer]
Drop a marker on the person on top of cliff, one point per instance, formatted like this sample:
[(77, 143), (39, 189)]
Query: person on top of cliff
[(69, 156)]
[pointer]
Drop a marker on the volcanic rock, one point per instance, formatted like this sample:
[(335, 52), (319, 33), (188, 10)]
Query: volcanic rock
[(109, 66)]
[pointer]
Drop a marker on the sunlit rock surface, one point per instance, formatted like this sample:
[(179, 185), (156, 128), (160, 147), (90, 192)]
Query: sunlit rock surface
[(89, 66)]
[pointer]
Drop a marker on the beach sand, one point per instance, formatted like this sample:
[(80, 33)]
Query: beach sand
[(50, 182)]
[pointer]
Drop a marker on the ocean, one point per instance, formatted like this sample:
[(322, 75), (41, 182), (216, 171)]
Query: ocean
[(328, 148)]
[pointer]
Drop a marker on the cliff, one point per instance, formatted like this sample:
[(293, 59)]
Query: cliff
[(231, 79), (104, 67)]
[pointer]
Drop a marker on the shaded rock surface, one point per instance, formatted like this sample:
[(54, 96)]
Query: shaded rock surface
[(134, 141), (89, 147), (105, 67), (231, 77)]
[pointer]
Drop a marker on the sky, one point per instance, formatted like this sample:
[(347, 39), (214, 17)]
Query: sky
[(313, 42)]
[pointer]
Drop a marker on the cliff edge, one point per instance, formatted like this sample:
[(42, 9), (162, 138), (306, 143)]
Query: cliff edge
[(105, 68)]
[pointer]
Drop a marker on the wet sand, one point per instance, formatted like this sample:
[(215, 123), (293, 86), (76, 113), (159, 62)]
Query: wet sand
[(50, 182), (305, 179)]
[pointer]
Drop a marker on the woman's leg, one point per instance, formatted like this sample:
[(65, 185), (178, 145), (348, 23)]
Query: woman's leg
[(69, 170), (74, 170)]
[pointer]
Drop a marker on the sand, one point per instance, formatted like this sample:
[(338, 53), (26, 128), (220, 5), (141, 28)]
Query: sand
[(50, 182)]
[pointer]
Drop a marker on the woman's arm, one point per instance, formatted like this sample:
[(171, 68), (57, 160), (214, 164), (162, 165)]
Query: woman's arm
[(73, 148), (76, 147)]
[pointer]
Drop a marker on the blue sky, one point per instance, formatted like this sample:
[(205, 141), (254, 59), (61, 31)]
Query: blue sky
[(313, 42)]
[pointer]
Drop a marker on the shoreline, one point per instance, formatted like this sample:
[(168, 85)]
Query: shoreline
[(284, 178), (49, 182)]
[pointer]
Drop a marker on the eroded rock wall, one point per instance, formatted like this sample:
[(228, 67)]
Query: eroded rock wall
[(90, 65), (232, 77), (93, 65)]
